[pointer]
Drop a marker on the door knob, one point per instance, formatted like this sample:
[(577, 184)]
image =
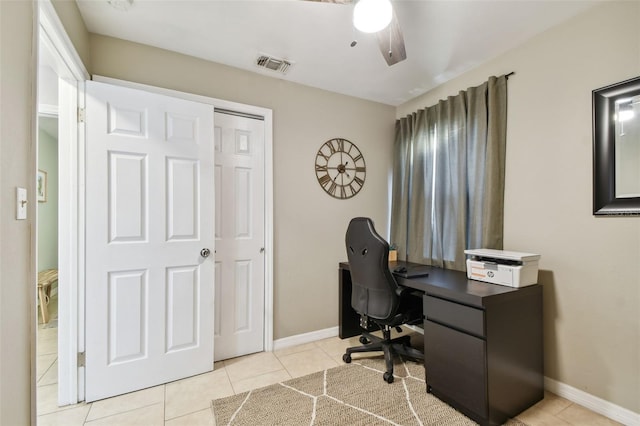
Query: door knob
[(205, 252)]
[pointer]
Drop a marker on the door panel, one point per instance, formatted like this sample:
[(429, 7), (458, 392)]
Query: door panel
[(242, 292), (183, 208), (182, 307), (217, 323), (239, 232), (126, 317), (150, 210), (127, 197), (244, 212)]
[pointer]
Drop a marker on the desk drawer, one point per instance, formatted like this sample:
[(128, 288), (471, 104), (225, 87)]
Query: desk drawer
[(453, 314), (456, 368)]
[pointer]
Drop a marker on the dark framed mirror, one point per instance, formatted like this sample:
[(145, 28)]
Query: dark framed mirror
[(616, 149)]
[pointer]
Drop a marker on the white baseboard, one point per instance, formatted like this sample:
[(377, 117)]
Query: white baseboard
[(300, 339), (593, 403)]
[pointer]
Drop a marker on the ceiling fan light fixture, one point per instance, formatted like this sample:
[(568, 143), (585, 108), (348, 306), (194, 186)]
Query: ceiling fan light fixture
[(370, 16)]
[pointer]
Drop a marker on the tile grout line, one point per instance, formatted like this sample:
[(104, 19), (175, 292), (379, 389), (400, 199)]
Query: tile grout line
[(283, 366), (226, 372), (46, 371), (164, 404), (84, 422)]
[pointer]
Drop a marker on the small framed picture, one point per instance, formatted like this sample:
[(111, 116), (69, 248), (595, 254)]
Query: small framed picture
[(41, 186)]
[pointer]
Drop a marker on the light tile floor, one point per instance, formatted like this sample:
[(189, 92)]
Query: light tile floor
[(188, 401)]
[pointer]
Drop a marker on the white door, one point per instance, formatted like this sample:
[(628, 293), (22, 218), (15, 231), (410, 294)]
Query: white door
[(150, 211), (239, 230)]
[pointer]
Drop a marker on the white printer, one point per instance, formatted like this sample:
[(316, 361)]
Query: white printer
[(510, 268)]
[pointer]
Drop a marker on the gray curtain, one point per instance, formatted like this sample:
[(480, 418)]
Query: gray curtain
[(448, 178)]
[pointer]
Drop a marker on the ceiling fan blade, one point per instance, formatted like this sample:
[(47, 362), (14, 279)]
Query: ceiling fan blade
[(391, 42), (390, 39)]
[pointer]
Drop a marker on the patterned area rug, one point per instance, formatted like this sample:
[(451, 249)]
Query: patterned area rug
[(352, 394)]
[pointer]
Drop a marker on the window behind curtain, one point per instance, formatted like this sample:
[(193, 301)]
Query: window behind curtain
[(448, 177)]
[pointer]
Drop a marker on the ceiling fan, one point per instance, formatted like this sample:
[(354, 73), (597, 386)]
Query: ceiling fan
[(388, 32)]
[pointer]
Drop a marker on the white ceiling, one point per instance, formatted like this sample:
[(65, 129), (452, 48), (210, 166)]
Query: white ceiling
[(443, 38)]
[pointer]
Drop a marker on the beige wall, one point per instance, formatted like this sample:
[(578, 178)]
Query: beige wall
[(590, 266), (309, 224), (17, 312), (17, 169)]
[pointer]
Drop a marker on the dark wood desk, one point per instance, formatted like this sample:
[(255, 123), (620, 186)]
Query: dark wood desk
[(482, 342)]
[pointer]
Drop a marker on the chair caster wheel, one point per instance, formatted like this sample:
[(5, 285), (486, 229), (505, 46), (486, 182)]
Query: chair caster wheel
[(388, 377), (363, 340), (346, 358)]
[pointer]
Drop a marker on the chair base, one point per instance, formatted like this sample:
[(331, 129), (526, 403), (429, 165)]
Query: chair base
[(390, 347)]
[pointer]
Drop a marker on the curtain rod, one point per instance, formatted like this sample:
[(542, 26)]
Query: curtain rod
[(506, 76)]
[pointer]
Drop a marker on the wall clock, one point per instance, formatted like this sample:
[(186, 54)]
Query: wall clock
[(340, 168)]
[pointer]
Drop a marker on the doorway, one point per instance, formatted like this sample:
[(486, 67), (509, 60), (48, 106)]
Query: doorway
[(240, 235), (149, 235), (238, 126), (47, 263), (71, 77), (61, 77)]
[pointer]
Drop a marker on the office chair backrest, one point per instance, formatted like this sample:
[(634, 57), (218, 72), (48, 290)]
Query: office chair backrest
[(374, 287)]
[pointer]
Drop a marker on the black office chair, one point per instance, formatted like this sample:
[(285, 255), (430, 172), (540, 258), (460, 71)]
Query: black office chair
[(377, 297)]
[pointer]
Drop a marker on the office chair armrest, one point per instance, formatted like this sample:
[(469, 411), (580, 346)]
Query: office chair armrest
[(402, 292)]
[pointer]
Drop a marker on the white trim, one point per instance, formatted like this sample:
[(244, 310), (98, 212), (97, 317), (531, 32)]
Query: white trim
[(217, 103), (592, 402), (47, 110), (267, 114), (67, 248), (80, 238), (268, 234), (52, 28), (301, 339), (69, 67), (416, 328)]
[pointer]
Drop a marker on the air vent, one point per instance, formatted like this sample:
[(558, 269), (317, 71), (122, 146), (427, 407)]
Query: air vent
[(273, 64)]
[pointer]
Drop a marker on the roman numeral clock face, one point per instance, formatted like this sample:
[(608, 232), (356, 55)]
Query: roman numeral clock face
[(340, 168)]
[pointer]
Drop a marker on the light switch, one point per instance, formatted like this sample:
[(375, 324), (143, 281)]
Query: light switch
[(21, 203)]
